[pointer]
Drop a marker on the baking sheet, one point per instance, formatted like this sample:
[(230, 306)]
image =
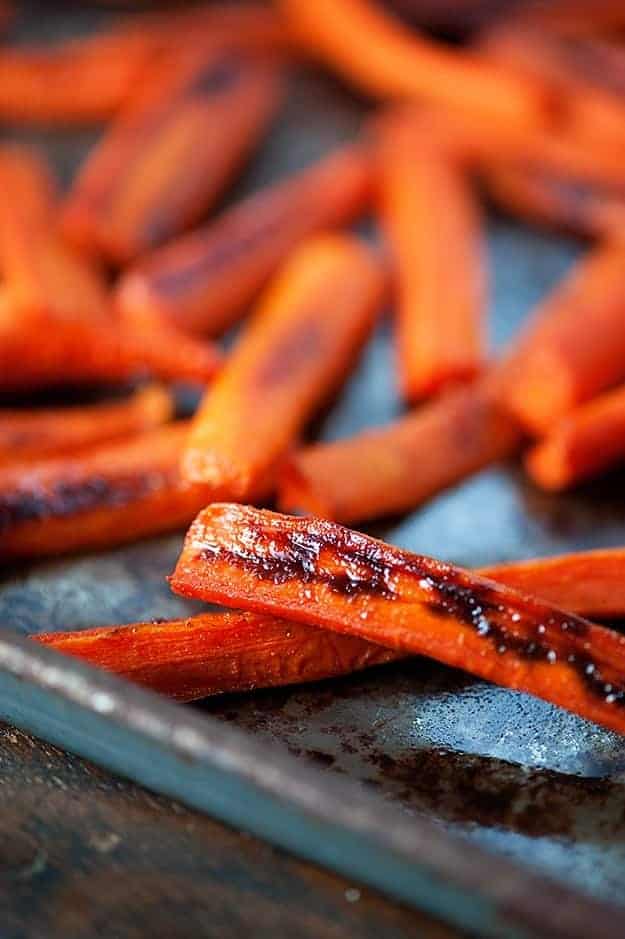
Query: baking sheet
[(510, 773)]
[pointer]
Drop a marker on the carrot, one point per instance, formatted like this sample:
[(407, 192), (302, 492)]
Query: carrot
[(38, 83), (587, 582), (319, 573), (57, 323), (574, 345), (573, 17), (27, 435), (394, 468), (297, 349), (386, 59), (558, 199), (204, 280), (216, 653), (586, 73), (588, 441), (170, 153), (433, 225)]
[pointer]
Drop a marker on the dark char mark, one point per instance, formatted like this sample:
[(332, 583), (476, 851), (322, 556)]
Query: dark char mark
[(216, 77), (369, 569), (294, 349)]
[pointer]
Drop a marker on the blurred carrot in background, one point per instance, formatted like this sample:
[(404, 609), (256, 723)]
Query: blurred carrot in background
[(297, 350), (203, 281), (175, 146)]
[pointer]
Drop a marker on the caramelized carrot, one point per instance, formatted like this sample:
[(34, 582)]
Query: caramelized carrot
[(558, 199), (118, 492), (204, 280), (296, 350), (585, 443), (319, 573), (574, 346), (179, 141), (27, 435), (393, 469), (216, 653), (386, 59), (38, 83), (574, 17), (432, 222)]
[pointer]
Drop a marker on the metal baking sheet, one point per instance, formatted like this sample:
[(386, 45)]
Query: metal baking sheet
[(500, 770)]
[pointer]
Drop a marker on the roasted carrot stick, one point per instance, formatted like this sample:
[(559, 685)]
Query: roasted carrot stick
[(384, 58), (393, 469), (573, 17), (56, 318), (559, 200), (202, 281), (433, 225), (27, 435), (319, 573), (172, 150), (297, 349), (38, 83), (574, 346), (215, 653), (585, 443)]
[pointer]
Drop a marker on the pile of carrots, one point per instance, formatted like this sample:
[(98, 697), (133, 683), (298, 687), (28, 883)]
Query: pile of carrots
[(130, 278)]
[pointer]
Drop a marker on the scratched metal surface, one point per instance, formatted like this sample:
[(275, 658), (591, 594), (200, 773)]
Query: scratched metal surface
[(513, 774)]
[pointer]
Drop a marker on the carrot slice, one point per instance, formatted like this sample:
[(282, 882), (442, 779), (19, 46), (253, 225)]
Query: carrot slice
[(319, 573), (386, 59), (38, 83), (586, 442), (426, 206), (204, 280), (393, 469), (559, 200), (574, 346), (297, 349), (171, 151), (216, 653), (27, 435)]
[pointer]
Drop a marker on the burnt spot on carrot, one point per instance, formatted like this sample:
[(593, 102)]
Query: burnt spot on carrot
[(217, 77), (292, 351)]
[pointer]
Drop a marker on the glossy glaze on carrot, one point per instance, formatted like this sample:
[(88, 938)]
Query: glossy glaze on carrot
[(317, 572), (203, 281), (172, 150), (296, 351)]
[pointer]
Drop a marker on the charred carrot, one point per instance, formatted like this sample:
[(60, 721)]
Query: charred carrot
[(574, 346), (427, 205), (384, 58), (170, 153), (33, 434), (296, 350), (559, 200), (38, 83), (216, 653), (202, 281), (319, 573), (393, 469), (587, 442), (590, 583)]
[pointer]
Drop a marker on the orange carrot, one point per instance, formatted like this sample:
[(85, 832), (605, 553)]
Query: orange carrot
[(574, 346), (383, 57), (433, 224), (558, 199), (172, 150), (319, 573), (296, 350), (204, 280), (573, 17), (216, 653), (585, 443), (393, 469), (27, 435), (38, 83)]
